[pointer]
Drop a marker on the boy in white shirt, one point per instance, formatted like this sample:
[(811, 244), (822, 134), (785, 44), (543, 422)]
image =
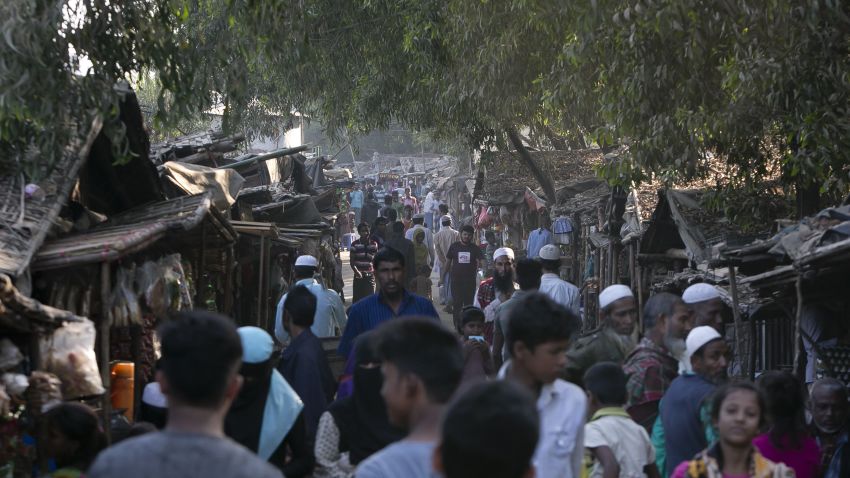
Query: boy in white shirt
[(539, 333), (618, 446)]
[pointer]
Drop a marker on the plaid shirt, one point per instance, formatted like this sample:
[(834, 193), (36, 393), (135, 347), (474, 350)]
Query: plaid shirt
[(486, 293), (650, 370)]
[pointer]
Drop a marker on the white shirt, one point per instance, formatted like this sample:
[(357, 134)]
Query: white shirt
[(560, 450), (330, 312), (627, 440), (561, 291)]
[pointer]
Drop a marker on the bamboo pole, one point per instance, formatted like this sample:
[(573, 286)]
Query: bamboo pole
[(103, 325), (736, 315), (798, 324)]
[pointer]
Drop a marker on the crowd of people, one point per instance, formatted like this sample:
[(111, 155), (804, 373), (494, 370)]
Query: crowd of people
[(511, 389)]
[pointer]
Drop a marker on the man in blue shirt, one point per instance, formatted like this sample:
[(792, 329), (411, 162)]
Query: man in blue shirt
[(391, 301), (303, 363), (330, 311), (539, 238), (356, 202)]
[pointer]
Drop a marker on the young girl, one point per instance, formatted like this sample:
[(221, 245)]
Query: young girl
[(737, 413), (787, 440), (74, 438)]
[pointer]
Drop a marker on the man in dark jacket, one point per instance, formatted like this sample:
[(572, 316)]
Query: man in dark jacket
[(303, 363)]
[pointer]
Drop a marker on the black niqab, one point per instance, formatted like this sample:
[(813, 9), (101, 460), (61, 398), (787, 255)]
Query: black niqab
[(364, 427), (244, 420)]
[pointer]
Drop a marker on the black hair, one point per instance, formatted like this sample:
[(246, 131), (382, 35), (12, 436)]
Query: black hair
[(663, 303), (786, 404), (362, 225), (301, 305), (490, 235), (418, 220), (550, 265), (423, 347), (467, 228), (528, 274), (473, 443), (537, 319), (79, 423), (200, 353), (304, 272), (398, 227), (607, 382), (388, 199), (444, 208), (719, 396), (392, 215), (471, 314), (387, 254), (380, 220)]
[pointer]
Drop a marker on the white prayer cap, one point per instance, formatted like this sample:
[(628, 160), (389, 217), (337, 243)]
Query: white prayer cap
[(307, 261), (257, 344), (700, 336), (152, 395), (550, 252), (700, 293), (503, 251), (613, 293), (446, 218)]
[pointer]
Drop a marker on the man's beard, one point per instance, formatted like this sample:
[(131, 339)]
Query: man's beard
[(676, 347), (625, 341), (504, 282)]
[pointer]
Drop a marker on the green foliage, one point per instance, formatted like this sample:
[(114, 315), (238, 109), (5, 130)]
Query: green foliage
[(762, 86)]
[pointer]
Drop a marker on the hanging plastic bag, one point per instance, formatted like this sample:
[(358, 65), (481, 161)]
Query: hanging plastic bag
[(69, 354)]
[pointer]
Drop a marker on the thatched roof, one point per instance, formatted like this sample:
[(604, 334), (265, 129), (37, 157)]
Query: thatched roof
[(24, 222), (136, 230), (505, 172)]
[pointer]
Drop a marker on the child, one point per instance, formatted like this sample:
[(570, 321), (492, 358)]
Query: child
[(74, 438), (539, 332), (473, 443), (619, 446), (737, 412), (477, 362), (421, 363)]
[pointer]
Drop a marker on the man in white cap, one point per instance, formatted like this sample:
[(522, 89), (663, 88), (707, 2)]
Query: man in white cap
[(442, 241), (551, 283), (497, 289), (612, 341), (705, 304), (683, 412), (330, 311)]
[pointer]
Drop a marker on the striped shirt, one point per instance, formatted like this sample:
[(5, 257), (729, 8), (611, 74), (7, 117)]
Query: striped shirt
[(372, 311), (362, 253)]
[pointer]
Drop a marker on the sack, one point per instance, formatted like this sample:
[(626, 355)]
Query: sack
[(69, 354)]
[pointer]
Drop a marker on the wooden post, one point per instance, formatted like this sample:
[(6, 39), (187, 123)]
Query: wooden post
[(736, 314), (260, 306), (577, 269), (103, 325), (267, 281), (227, 307), (199, 272), (798, 325)]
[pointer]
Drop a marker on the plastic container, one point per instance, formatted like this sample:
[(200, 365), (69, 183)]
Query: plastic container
[(122, 390)]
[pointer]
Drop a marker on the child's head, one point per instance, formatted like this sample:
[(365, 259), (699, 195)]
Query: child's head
[(472, 321), (786, 403), (74, 436), (605, 383), (422, 364), (473, 443), (539, 332), (737, 412)]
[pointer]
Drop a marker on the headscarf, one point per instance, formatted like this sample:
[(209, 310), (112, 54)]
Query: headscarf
[(362, 417), (267, 406)]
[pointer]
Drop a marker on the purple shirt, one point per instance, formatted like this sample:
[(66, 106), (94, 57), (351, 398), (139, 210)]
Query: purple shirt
[(805, 460)]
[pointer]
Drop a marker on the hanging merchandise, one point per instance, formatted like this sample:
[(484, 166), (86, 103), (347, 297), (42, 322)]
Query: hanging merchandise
[(562, 228), (44, 391), (484, 219), (164, 286), (123, 303), (69, 353)]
